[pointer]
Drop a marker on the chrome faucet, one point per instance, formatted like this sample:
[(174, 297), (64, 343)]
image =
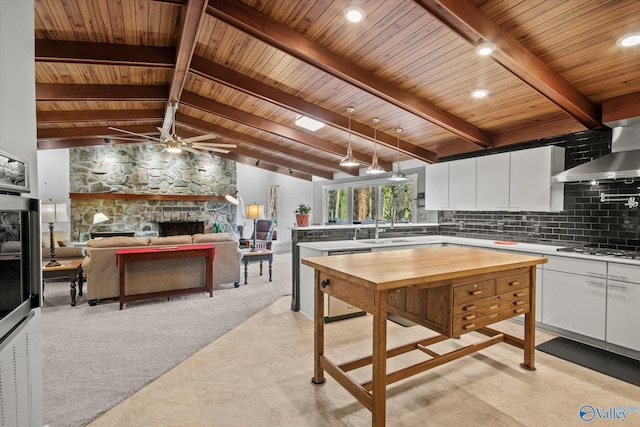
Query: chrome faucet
[(377, 233), (355, 233)]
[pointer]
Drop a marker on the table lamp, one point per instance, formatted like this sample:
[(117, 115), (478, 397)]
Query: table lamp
[(53, 212), (254, 212)]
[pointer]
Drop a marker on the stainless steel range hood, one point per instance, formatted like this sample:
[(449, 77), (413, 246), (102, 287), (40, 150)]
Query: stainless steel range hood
[(622, 163)]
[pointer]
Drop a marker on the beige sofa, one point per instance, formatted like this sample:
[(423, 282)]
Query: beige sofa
[(103, 280)]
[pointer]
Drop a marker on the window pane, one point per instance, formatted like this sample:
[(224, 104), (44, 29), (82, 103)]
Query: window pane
[(397, 202), (364, 207), (337, 206)]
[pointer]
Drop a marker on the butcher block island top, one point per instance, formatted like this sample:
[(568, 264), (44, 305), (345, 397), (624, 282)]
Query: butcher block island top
[(450, 290)]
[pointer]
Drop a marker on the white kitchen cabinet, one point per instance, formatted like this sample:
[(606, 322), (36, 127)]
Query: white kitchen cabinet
[(530, 179), (437, 186), (623, 300), (462, 184), (574, 295), (492, 183)]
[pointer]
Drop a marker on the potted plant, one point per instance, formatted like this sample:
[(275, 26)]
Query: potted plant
[(302, 215)]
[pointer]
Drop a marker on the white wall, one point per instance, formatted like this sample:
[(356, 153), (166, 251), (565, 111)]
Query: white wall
[(252, 187), (17, 84), (53, 179)]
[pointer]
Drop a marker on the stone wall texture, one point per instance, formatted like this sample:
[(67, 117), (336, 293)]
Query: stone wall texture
[(147, 169)]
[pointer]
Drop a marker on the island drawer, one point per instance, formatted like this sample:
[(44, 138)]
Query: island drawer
[(508, 311), (473, 291), (509, 283)]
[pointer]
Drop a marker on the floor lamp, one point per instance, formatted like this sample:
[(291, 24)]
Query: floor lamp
[(254, 212), (53, 212)]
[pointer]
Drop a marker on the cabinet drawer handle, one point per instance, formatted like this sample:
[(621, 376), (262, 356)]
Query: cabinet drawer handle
[(493, 307), (514, 283), (519, 303), (518, 294), (469, 307), (591, 282), (324, 283), (469, 317), (518, 310), (476, 292), (591, 273), (623, 288), (469, 326), (611, 276), (494, 315)]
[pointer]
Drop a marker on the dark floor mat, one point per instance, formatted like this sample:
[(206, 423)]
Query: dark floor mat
[(612, 364)]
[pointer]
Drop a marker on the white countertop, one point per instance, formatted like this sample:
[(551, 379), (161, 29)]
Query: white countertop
[(350, 226), (546, 250)]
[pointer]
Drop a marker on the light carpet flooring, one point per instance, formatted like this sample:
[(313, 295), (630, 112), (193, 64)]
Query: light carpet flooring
[(259, 374)]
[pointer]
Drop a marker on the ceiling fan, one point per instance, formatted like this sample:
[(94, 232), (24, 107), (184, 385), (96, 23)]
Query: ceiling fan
[(174, 144)]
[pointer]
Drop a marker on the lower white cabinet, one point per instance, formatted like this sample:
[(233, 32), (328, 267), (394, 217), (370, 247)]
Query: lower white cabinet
[(623, 305), (574, 302)]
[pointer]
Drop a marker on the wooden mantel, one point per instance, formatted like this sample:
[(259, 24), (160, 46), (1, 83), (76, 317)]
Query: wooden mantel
[(127, 196)]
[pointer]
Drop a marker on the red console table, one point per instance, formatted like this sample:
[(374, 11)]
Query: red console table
[(154, 253)]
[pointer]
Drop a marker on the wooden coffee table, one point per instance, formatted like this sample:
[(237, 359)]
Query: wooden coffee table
[(260, 254), (71, 268)]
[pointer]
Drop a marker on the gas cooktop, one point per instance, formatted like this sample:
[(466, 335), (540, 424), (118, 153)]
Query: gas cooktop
[(617, 253)]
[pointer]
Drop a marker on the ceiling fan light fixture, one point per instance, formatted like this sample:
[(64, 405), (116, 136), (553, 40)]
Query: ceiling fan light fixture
[(349, 160), (354, 14), (485, 49), (308, 123), (375, 167), (398, 175), (628, 40), (173, 147)]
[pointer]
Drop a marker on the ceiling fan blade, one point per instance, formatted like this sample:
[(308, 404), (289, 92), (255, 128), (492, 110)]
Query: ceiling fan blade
[(199, 138), (139, 135), (122, 138), (191, 150), (214, 145), (166, 135), (217, 150)]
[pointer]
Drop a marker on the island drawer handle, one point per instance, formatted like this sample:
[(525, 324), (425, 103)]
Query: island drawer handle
[(469, 317), (519, 303), (324, 283), (469, 307), (518, 294), (476, 292), (514, 283), (518, 310), (494, 315), (493, 307), (469, 326)]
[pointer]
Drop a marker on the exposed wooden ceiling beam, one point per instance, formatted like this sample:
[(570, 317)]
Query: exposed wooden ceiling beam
[(94, 131), (467, 20), (54, 144), (266, 166), (621, 107), (104, 54), (245, 18), (97, 116), (213, 107), (244, 140), (79, 92), (191, 23), (212, 71)]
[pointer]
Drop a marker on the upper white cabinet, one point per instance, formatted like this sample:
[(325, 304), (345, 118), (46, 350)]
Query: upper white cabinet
[(515, 181), (492, 190), (530, 179), (437, 187), (462, 184)]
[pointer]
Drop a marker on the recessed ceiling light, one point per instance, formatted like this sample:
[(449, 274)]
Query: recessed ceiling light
[(627, 40), (480, 93), (308, 123), (485, 49), (354, 14)]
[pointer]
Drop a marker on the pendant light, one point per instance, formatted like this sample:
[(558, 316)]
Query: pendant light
[(398, 175), (349, 160), (375, 168)]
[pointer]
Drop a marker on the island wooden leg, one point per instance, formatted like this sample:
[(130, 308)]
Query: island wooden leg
[(318, 332), (530, 325), (379, 360)]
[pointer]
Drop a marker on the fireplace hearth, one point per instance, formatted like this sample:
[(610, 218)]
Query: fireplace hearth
[(175, 228)]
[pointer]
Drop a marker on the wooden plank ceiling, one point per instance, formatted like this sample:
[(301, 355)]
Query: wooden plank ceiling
[(244, 69)]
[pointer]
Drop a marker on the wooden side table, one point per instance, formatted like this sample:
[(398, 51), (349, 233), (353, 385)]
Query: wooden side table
[(71, 268), (259, 255)]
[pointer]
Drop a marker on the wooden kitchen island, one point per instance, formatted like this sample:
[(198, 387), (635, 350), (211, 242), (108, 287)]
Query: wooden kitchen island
[(451, 290)]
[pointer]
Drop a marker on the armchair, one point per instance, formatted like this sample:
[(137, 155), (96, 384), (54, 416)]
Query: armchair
[(263, 234)]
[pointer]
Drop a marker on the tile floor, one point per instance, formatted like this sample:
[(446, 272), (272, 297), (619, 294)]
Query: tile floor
[(259, 374)]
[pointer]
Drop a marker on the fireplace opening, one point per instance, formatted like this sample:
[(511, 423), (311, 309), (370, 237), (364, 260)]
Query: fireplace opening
[(176, 228)]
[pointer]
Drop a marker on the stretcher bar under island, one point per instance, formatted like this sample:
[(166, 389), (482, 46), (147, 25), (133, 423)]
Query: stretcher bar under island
[(450, 290)]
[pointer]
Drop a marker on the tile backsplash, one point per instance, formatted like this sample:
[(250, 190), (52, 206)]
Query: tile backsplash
[(585, 220)]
